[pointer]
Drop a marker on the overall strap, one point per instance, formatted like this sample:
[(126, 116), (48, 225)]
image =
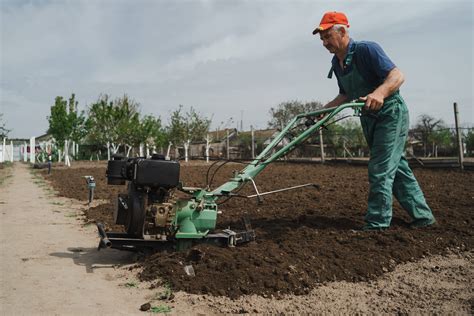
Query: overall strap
[(347, 61), (331, 71), (350, 55)]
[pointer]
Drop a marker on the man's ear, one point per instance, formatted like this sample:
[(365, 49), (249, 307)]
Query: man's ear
[(343, 31)]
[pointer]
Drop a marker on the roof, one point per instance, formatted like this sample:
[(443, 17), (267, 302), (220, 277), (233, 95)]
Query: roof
[(220, 135), (262, 134), (259, 135), (44, 137)]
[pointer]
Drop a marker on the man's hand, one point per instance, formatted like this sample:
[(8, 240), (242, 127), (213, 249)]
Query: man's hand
[(338, 100), (373, 101)]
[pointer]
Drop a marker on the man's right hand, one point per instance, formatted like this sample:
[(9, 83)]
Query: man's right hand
[(338, 100)]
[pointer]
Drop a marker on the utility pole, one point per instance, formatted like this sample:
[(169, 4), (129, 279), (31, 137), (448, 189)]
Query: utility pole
[(253, 141), (344, 147), (227, 145), (321, 144), (458, 135), (207, 148)]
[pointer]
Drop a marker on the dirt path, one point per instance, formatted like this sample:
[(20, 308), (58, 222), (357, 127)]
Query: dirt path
[(53, 268)]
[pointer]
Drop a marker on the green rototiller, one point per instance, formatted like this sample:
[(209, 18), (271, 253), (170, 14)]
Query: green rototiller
[(154, 219)]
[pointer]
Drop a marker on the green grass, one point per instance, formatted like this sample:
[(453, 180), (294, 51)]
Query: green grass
[(70, 215), (50, 191), (35, 174), (167, 292), (57, 203), (5, 171), (39, 180), (160, 309), (130, 284), (4, 178), (39, 183)]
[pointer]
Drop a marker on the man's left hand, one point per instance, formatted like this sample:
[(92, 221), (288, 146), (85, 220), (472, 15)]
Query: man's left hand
[(373, 101)]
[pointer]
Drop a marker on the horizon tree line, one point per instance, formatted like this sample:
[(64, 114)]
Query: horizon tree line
[(118, 125)]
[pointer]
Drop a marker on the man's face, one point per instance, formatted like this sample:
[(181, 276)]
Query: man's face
[(332, 40)]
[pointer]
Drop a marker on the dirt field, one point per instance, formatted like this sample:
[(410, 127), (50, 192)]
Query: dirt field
[(305, 238)]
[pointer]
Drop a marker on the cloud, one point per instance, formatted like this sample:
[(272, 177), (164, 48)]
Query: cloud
[(21, 114), (220, 56)]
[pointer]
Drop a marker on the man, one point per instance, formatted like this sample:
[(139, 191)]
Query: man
[(364, 72)]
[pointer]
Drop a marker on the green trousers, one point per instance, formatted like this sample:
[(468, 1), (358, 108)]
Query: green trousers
[(386, 133)]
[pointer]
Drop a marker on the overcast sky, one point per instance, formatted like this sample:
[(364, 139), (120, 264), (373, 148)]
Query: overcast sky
[(224, 58)]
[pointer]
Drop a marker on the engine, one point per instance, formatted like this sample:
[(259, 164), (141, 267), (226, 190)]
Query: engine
[(147, 209)]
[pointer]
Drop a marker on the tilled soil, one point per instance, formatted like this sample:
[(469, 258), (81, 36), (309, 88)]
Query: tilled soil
[(304, 237)]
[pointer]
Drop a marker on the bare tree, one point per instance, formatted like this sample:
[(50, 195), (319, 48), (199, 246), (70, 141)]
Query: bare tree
[(284, 112), (424, 129), (187, 127), (3, 130)]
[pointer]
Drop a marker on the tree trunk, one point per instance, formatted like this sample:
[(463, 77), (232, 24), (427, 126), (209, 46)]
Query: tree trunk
[(168, 151), (2, 158), (186, 148), (115, 148), (25, 153), (207, 148), (32, 149), (67, 162)]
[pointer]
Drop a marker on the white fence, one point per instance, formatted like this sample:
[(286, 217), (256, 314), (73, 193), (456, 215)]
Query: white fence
[(7, 151), (17, 152)]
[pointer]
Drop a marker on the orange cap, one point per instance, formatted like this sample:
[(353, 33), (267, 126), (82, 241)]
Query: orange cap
[(330, 19)]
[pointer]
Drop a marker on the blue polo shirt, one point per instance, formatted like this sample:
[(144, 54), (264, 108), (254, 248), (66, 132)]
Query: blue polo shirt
[(372, 62)]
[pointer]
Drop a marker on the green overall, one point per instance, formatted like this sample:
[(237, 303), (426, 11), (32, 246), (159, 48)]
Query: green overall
[(386, 134)]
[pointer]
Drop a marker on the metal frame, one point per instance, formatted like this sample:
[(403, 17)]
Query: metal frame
[(261, 161)]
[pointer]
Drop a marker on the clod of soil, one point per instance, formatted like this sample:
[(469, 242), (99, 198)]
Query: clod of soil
[(145, 307)]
